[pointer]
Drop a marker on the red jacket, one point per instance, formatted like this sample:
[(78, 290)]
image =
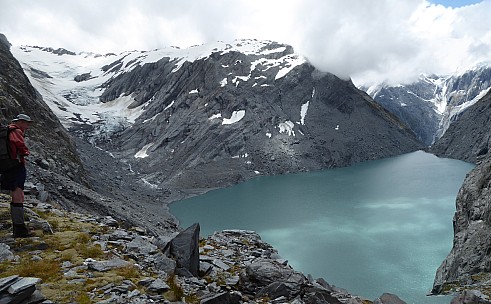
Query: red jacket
[(18, 148)]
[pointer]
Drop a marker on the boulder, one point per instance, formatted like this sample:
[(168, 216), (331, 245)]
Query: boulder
[(6, 282), (185, 249), (5, 253), (163, 263), (274, 291), (15, 289), (158, 286), (102, 266), (264, 272), (470, 297), (22, 284), (221, 298), (318, 296), (141, 246), (388, 298)]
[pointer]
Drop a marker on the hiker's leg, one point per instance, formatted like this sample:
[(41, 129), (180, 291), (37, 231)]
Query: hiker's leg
[(17, 205), (17, 196), (18, 221), (17, 213)]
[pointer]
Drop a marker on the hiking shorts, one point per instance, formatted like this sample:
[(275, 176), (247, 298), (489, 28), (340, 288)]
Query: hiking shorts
[(14, 178)]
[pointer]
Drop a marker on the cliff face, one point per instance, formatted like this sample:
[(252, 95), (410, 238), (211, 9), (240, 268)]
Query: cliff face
[(51, 147), (469, 261), (429, 105), (469, 136)]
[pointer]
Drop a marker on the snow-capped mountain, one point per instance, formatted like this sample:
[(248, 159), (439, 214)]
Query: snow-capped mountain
[(72, 84), (214, 114), (429, 105)]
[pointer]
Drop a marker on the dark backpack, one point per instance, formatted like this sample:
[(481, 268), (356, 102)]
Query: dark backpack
[(6, 162)]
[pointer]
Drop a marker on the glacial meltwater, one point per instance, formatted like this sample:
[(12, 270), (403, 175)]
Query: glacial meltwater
[(375, 227)]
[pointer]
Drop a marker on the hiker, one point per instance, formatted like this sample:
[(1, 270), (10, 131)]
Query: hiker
[(14, 179)]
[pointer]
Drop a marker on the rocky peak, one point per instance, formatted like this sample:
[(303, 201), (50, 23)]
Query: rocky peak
[(429, 105), (179, 116), (250, 113), (468, 138)]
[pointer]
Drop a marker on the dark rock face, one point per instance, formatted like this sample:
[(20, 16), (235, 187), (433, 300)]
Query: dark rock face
[(216, 121), (469, 137), (51, 146), (185, 248), (411, 104), (471, 252), (388, 298)]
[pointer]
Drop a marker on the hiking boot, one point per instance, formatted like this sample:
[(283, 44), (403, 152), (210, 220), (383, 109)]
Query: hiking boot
[(21, 231)]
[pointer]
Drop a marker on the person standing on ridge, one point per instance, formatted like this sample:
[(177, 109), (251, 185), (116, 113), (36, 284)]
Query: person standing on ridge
[(14, 179)]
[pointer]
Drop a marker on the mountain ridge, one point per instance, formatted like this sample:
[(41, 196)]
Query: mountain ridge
[(430, 104), (324, 96), (253, 107)]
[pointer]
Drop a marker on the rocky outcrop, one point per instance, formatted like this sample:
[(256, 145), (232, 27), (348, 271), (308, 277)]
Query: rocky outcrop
[(468, 138), (52, 149), (185, 249), (15, 289), (470, 297), (468, 264)]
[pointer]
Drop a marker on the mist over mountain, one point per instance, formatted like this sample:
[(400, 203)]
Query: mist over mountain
[(431, 104), (177, 122)]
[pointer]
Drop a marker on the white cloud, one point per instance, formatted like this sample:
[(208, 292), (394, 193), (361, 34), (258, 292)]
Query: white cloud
[(365, 40)]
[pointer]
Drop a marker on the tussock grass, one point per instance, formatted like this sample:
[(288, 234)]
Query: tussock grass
[(5, 215), (129, 272), (175, 293), (72, 241), (47, 270), (90, 251)]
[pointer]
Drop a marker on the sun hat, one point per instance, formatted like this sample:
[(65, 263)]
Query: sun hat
[(23, 117)]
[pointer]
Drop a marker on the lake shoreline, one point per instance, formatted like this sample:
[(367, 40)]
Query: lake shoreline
[(401, 204)]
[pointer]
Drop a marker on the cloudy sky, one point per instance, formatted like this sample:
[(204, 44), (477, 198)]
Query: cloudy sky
[(367, 40)]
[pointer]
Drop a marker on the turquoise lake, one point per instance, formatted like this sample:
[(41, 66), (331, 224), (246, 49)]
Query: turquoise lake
[(375, 227)]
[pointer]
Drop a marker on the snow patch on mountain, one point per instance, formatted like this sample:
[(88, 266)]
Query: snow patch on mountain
[(143, 152), (303, 112), (72, 85), (287, 127), (236, 117), (441, 98), (290, 62)]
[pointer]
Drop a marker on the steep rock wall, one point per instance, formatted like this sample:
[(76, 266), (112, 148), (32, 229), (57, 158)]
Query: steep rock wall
[(51, 147), (468, 138), (471, 251)]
